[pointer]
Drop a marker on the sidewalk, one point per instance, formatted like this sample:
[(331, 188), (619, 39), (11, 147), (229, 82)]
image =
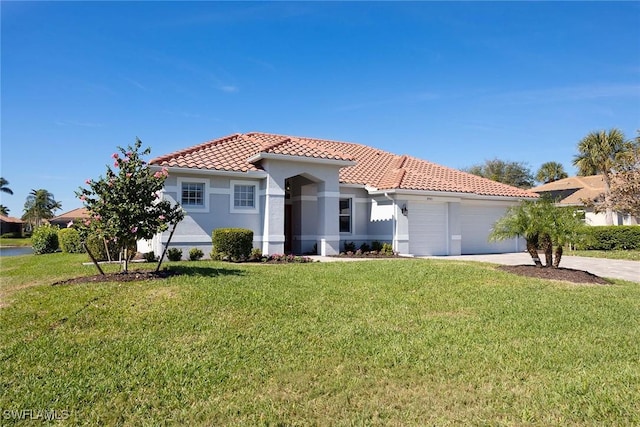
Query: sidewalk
[(612, 268)]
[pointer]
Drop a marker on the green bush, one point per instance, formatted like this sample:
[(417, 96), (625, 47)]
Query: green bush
[(376, 246), (45, 239), (612, 237), (195, 254), (174, 254), (349, 247), (387, 249), (236, 243), (96, 246), (70, 241), (150, 256)]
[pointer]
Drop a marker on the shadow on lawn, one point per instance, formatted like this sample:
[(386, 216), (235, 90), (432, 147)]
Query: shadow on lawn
[(196, 271)]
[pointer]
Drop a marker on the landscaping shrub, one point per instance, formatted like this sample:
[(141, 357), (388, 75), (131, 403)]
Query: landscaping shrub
[(12, 235), (174, 254), (387, 249), (195, 254), (365, 247), (376, 246), (613, 237), (96, 246), (235, 243), (150, 256), (349, 247), (45, 239), (256, 254), (70, 242)]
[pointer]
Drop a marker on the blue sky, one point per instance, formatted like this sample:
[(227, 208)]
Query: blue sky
[(455, 83)]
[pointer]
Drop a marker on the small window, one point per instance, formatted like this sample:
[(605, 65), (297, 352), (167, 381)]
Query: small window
[(244, 196), (345, 215), (193, 194)]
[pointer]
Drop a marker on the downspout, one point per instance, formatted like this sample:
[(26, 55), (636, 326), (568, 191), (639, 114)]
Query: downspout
[(394, 243)]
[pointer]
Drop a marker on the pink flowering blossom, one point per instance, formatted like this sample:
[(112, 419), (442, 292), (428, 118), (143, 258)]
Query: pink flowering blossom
[(87, 222), (88, 181), (165, 171), (114, 155), (161, 217), (157, 174), (83, 197), (134, 229), (115, 164), (129, 175)]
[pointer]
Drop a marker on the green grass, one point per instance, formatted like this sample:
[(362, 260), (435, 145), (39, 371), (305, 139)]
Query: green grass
[(10, 241), (632, 255), (388, 342)]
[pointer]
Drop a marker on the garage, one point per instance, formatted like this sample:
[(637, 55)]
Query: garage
[(428, 228), (476, 222)]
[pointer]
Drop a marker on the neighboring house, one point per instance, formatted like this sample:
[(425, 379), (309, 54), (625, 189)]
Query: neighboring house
[(298, 194), (9, 224), (64, 220), (581, 192)]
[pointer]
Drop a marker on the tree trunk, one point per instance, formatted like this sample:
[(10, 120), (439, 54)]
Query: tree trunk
[(125, 263), (547, 246), (608, 212), (532, 248), (558, 257), (92, 258)]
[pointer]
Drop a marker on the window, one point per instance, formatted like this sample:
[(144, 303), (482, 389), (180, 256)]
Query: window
[(244, 197), (345, 215), (192, 194)]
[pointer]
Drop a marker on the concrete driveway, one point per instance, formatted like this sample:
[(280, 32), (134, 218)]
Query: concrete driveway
[(613, 268)]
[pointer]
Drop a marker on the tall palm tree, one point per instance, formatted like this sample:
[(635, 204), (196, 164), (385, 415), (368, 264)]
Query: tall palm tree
[(40, 205), (3, 186), (598, 153), (551, 171)]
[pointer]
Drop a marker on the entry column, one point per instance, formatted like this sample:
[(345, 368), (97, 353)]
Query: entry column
[(328, 209)]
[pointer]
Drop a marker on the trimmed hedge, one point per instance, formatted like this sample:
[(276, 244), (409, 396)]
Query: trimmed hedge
[(611, 237), (70, 241), (45, 239), (235, 243)]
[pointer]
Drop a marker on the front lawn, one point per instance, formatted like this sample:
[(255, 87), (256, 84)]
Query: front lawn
[(14, 241), (389, 342), (632, 255)]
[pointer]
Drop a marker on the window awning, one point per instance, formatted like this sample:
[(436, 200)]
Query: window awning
[(381, 212)]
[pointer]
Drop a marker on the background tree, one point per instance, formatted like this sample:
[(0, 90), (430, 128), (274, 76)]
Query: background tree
[(126, 205), (516, 174), (3, 186), (550, 172), (40, 205), (4, 210), (599, 153), (625, 183)]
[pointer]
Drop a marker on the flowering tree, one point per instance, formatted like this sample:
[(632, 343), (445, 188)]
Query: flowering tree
[(126, 205)]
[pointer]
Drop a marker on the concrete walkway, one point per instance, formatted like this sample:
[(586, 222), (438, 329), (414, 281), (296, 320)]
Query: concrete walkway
[(612, 268)]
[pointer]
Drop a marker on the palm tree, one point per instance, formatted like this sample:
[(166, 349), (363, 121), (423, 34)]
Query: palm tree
[(4, 210), (598, 153), (520, 221), (40, 205), (550, 171), (539, 221), (3, 186)]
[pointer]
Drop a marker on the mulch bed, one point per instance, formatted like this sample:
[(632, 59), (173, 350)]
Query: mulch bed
[(131, 276), (565, 274)]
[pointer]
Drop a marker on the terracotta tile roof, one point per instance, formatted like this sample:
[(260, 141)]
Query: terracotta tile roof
[(374, 167), (10, 220), (575, 189), (71, 215)]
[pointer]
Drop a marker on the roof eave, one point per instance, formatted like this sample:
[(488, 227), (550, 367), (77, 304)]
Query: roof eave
[(303, 159), (196, 171)]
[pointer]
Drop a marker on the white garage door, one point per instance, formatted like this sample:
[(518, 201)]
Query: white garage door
[(427, 228), (476, 222)]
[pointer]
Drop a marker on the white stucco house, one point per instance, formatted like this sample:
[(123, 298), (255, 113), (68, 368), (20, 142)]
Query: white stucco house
[(580, 192), (296, 193)]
